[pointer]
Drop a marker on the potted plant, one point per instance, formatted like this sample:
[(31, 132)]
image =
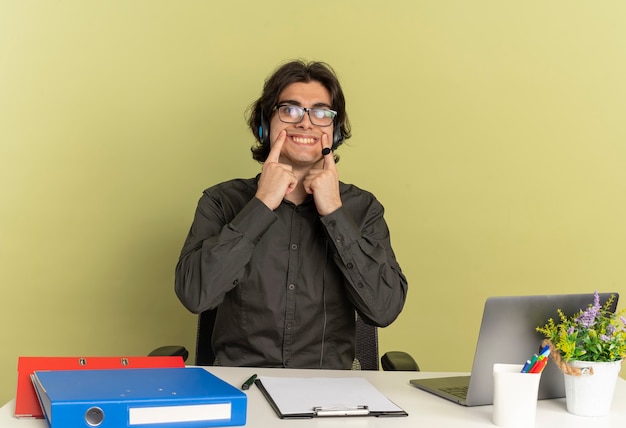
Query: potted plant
[(588, 347)]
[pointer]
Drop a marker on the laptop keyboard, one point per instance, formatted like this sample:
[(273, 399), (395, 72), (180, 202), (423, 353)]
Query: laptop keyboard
[(457, 391)]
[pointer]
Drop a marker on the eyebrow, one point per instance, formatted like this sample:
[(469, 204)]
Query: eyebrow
[(299, 104)]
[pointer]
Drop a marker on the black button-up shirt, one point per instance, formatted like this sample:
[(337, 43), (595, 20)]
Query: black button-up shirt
[(287, 282)]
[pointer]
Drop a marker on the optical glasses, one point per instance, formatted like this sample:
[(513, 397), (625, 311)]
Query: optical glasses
[(289, 113)]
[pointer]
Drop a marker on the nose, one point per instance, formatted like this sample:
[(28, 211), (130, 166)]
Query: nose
[(305, 123)]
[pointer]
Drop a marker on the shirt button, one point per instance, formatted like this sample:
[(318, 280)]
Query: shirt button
[(359, 284), (235, 282), (339, 239), (292, 287), (294, 246), (288, 326), (349, 265), (332, 224)]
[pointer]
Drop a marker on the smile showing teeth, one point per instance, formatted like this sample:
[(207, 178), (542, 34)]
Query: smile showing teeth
[(303, 140)]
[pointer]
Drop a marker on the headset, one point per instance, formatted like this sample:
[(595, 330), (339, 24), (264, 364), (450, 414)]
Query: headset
[(264, 133)]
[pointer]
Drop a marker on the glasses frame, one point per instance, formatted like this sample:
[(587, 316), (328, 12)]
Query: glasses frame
[(307, 111)]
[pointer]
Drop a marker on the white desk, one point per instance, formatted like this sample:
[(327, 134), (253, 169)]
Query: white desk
[(425, 410)]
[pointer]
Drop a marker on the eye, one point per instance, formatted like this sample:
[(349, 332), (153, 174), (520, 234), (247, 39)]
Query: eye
[(320, 113), (293, 111)]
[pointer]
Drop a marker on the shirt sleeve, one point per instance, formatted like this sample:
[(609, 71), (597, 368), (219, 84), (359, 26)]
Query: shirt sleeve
[(217, 250), (375, 283)]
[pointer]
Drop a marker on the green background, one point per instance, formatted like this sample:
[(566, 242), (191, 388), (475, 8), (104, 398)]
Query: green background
[(492, 131)]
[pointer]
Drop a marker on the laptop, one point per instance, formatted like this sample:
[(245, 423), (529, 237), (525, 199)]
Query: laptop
[(507, 335)]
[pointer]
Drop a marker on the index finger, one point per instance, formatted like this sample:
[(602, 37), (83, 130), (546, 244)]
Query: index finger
[(329, 158), (274, 154)]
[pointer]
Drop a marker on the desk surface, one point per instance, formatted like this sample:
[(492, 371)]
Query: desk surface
[(425, 410)]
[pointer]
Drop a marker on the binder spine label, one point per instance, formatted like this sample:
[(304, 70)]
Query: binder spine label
[(179, 414)]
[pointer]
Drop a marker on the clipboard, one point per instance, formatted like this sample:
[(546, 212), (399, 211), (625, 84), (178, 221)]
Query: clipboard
[(297, 398)]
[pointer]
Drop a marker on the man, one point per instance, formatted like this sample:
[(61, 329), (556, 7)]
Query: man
[(290, 255)]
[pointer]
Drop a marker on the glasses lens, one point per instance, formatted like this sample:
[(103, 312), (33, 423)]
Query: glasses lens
[(290, 114), (321, 116)]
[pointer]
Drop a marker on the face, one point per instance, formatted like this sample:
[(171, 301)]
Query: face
[(303, 144)]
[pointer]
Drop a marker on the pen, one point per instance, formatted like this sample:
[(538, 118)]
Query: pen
[(545, 352), (539, 366), (533, 360), (247, 384), (527, 366)]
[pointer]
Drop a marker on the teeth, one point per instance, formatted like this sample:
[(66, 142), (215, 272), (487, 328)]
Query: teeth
[(302, 140)]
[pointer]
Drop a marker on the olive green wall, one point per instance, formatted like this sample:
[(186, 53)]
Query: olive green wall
[(493, 132)]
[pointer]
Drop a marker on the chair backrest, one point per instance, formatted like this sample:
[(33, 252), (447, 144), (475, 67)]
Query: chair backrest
[(204, 352), (366, 342), (366, 345)]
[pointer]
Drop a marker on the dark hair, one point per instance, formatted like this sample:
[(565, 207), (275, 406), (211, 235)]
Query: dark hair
[(295, 72)]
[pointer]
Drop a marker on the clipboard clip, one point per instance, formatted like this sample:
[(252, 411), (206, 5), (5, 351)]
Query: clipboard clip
[(340, 410)]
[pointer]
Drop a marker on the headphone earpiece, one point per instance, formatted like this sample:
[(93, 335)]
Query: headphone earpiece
[(337, 137), (264, 130)]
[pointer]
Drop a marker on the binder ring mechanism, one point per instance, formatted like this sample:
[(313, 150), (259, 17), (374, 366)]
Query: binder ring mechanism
[(341, 410), (83, 361)]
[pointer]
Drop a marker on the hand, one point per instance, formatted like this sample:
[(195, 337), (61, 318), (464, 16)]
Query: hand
[(277, 179), (323, 183)]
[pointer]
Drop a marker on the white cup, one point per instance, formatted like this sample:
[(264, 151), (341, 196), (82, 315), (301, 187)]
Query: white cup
[(514, 396)]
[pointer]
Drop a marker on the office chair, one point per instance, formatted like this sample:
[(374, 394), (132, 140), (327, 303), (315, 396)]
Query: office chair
[(366, 347)]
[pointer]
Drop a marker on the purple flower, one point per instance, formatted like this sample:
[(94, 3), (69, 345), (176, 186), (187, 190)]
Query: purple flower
[(605, 338), (588, 318)]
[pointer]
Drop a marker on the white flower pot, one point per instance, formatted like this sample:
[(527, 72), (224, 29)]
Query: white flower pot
[(591, 395)]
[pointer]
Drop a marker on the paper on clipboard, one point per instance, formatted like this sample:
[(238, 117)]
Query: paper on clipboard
[(312, 397)]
